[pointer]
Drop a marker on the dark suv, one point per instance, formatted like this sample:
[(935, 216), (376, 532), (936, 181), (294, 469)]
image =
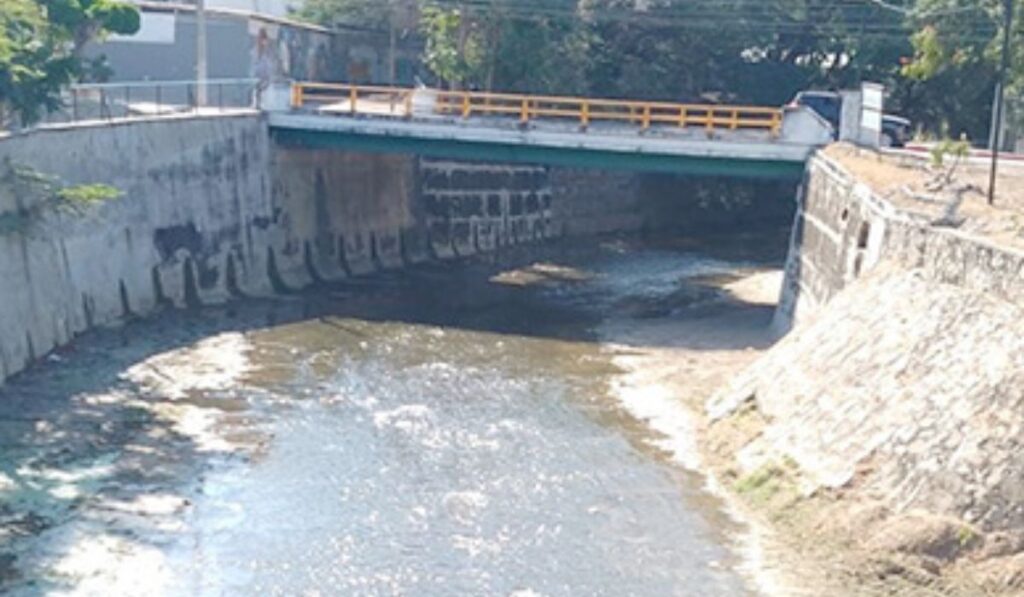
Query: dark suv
[(896, 130)]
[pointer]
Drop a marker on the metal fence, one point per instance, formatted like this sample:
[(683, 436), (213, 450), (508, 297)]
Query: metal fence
[(110, 101), (395, 101)]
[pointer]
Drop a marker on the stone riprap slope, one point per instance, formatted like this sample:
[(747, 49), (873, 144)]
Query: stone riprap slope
[(887, 425), (908, 390)]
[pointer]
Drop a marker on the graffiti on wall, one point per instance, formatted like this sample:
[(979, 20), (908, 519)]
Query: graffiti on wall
[(282, 53)]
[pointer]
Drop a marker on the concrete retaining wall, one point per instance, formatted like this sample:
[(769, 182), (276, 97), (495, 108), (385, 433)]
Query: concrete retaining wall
[(482, 207), (186, 228), (598, 201), (843, 230), (211, 209)]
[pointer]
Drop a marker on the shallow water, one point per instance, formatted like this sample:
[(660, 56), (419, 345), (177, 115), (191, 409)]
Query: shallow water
[(426, 433)]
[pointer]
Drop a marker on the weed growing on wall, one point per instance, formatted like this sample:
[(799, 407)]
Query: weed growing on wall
[(36, 193)]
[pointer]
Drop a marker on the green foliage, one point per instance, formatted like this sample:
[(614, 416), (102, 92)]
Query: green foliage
[(37, 193), (936, 57), (771, 483), (442, 55), (763, 484), (346, 12), (87, 194), (40, 48), (966, 536), (948, 147), (952, 74)]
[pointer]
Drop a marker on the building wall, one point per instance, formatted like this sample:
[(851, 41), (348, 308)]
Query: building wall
[(165, 49)]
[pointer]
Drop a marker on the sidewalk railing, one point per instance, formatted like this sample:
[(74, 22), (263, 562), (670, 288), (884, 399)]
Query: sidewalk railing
[(110, 101)]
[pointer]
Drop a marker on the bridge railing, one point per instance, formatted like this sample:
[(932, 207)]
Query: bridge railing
[(354, 99), (396, 101)]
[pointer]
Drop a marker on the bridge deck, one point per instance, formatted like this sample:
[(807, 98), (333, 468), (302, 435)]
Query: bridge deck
[(718, 140)]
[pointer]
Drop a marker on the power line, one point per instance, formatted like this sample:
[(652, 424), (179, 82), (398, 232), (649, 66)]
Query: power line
[(741, 15), (911, 12), (755, 21)]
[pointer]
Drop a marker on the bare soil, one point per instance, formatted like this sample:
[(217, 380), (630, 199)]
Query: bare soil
[(901, 178)]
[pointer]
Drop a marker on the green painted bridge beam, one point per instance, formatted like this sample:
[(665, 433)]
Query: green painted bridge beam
[(548, 156)]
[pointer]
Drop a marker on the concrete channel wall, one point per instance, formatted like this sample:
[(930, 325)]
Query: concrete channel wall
[(192, 224), (842, 230), (212, 208)]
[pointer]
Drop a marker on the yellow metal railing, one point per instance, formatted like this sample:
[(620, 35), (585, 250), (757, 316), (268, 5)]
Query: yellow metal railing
[(396, 101)]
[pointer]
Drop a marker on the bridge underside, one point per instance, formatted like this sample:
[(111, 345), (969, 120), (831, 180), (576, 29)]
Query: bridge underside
[(497, 149)]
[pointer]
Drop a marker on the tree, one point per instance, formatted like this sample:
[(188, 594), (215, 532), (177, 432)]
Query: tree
[(30, 73), (40, 49), (332, 13), (503, 44), (953, 70), (936, 57), (80, 21), (452, 56)]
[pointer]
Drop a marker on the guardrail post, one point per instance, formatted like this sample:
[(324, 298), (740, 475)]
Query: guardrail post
[(645, 123), (585, 115), (466, 107), (734, 123), (710, 122), (353, 97), (524, 112), (682, 117), (408, 103)]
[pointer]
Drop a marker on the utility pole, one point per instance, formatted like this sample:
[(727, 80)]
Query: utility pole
[(1004, 67), (201, 75), (392, 42)]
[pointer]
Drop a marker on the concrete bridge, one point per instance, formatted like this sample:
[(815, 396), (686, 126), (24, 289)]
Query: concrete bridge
[(710, 140)]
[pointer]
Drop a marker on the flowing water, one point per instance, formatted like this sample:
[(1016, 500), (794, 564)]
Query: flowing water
[(445, 431)]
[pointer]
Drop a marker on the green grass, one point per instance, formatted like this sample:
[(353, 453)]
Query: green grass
[(768, 483)]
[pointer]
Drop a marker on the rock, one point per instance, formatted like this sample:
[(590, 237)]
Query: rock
[(920, 534), (1001, 574), (1002, 544)]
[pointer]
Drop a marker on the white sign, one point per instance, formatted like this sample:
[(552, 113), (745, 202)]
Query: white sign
[(155, 28), (871, 120), (871, 106)]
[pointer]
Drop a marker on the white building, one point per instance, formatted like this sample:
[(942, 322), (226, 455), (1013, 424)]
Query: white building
[(274, 8), (270, 8)]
